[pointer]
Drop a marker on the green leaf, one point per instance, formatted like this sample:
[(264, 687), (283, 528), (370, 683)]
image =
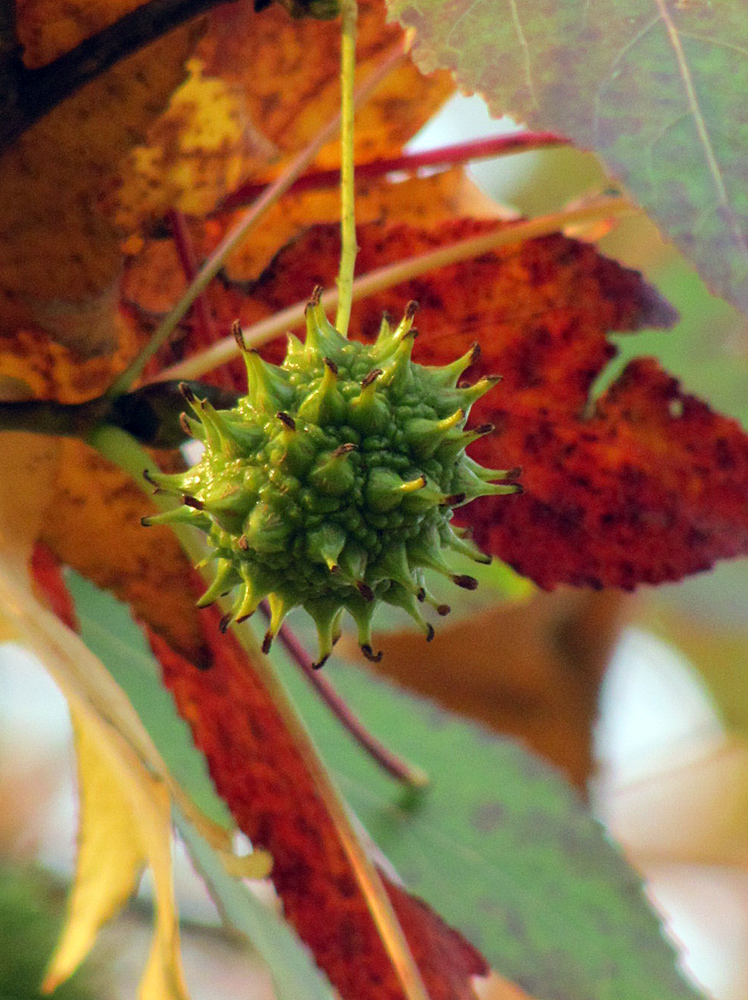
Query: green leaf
[(295, 976), (501, 847), (498, 844), (656, 88)]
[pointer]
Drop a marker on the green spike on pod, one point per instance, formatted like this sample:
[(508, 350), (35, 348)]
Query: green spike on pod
[(325, 404), (386, 490), (396, 370), (251, 595), (424, 436), (447, 377), (324, 545), (335, 473), (280, 605), (369, 411), (332, 483), (464, 546), (362, 612), (389, 340), (393, 564), (179, 515), (225, 579), (327, 616), (399, 597), (322, 339)]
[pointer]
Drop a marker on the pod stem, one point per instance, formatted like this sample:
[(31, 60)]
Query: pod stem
[(348, 248)]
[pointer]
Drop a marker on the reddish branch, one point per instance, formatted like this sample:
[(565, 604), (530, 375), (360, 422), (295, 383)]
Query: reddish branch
[(386, 759), (186, 252), (443, 157)]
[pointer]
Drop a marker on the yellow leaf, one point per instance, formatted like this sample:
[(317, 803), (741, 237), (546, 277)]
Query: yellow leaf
[(197, 152), (125, 823)]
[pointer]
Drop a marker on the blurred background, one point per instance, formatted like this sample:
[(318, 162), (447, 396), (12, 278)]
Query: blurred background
[(641, 699)]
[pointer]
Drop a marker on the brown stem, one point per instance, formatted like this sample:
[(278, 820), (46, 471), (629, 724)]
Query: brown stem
[(186, 253), (444, 156), (38, 91), (387, 760)]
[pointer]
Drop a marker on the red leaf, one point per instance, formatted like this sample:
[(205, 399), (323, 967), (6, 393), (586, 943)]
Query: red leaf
[(50, 585), (260, 774), (650, 488)]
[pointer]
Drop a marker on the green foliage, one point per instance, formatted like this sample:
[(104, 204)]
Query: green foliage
[(656, 89), (31, 911), (502, 848), (498, 843), (108, 630)]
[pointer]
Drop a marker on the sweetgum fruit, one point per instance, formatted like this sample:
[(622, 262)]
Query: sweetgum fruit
[(332, 483)]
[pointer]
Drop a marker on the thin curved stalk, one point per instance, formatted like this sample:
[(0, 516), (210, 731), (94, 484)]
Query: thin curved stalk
[(395, 766), (394, 274), (348, 247)]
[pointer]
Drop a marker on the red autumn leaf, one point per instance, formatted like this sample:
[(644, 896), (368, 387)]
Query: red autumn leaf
[(649, 486), (259, 772)]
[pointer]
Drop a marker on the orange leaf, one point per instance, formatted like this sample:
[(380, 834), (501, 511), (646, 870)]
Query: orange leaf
[(261, 87), (59, 256), (93, 525)]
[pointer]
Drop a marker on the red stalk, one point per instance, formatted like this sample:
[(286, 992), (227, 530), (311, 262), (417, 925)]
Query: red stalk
[(444, 157)]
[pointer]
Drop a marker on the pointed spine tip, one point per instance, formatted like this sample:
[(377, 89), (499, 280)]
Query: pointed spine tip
[(184, 425), (223, 625), (411, 309), (321, 662), (369, 653), (371, 377), (186, 389), (443, 609), (146, 521), (267, 642), (193, 502), (330, 365), (344, 449), (243, 543), (286, 419), (238, 335), (315, 297), (474, 351), (465, 581), (365, 590), (429, 632), (453, 500)]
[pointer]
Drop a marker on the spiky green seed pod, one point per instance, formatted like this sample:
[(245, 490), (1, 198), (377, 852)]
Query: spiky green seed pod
[(332, 483)]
